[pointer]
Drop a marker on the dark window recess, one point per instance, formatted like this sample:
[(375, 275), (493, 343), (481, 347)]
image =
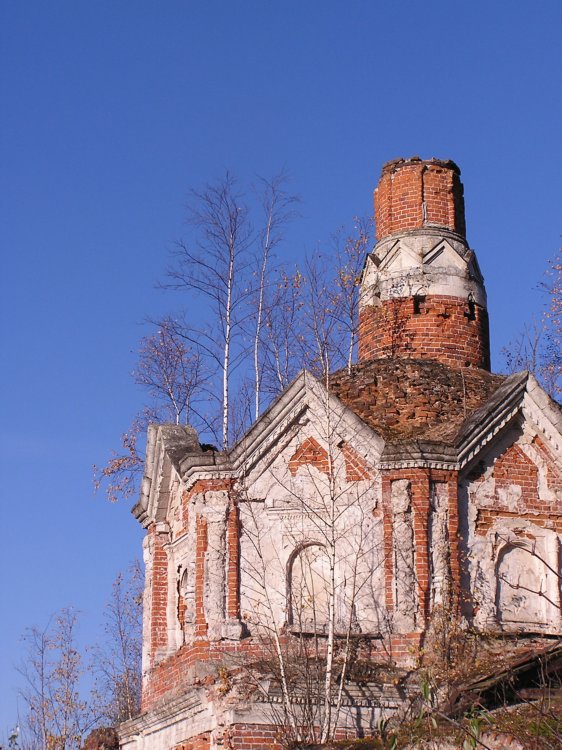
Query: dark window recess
[(470, 313), (419, 300)]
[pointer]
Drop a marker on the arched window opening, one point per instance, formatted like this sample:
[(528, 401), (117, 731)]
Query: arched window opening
[(309, 589), (521, 593), (182, 592)]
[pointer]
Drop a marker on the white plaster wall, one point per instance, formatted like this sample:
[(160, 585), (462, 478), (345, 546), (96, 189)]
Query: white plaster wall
[(515, 569), (280, 513)]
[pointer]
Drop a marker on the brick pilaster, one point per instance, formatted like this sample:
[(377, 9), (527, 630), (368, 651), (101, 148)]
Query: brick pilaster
[(201, 549), (233, 569), (159, 591)]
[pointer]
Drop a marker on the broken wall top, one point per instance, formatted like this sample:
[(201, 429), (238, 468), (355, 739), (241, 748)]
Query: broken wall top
[(406, 399)]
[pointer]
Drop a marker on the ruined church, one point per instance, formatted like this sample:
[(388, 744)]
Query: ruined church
[(354, 509)]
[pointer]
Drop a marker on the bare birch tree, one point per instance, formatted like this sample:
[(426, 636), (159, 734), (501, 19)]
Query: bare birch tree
[(170, 370), (278, 208), (173, 374), (57, 717), (331, 292), (116, 662), (256, 326), (214, 267), (304, 611), (350, 252), (283, 340)]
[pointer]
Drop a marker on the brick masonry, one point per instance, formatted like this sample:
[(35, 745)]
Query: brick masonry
[(391, 462), (515, 469), (438, 328), (413, 194)]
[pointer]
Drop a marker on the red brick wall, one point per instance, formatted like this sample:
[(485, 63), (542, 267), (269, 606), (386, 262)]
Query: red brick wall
[(233, 569), (265, 737), (413, 194), (420, 488), (514, 467), (442, 330), (159, 592), (253, 737), (199, 742)]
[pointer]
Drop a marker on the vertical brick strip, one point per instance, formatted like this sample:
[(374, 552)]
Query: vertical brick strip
[(388, 542), (455, 551), (159, 593), (200, 552), (233, 575), (421, 506)]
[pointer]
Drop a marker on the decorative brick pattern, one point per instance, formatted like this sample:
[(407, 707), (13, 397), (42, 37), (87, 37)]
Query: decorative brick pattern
[(514, 467), (311, 453), (356, 468), (553, 473), (444, 329)]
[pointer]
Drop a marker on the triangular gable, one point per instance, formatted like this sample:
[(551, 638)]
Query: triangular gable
[(444, 255), (519, 395), (304, 402), (174, 450), (399, 257)]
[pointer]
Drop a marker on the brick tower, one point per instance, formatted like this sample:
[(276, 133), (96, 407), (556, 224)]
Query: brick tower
[(422, 294), (411, 489)]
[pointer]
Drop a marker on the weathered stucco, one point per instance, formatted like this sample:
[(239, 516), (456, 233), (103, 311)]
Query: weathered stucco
[(409, 486)]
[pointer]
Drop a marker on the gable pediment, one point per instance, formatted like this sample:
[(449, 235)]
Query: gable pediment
[(309, 419), (520, 397), (166, 446), (399, 257), (444, 255)]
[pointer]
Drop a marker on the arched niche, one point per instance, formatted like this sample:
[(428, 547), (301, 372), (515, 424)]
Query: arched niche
[(308, 584), (182, 596), (523, 595)]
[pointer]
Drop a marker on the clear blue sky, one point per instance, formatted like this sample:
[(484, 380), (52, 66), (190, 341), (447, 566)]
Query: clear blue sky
[(111, 111)]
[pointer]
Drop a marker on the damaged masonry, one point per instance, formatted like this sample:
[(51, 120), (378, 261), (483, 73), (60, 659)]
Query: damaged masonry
[(293, 581)]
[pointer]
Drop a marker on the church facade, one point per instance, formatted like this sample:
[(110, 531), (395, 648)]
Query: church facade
[(355, 509)]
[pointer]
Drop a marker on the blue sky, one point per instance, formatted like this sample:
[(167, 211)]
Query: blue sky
[(111, 111)]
